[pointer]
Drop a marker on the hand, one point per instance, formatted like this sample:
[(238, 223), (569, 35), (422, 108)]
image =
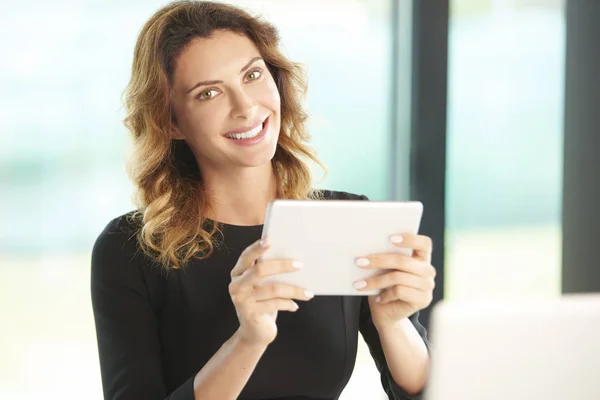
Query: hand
[(257, 303), (407, 287)]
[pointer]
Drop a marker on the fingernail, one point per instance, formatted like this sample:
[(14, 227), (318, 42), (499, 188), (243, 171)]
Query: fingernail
[(360, 284), (377, 299), (264, 243), (362, 262), (309, 294), (396, 239), (297, 264)]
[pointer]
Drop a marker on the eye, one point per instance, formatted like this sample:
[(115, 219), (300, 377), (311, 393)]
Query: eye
[(254, 75), (207, 94)]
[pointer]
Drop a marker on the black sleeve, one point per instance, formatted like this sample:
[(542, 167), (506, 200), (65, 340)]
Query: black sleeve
[(126, 324), (371, 336)]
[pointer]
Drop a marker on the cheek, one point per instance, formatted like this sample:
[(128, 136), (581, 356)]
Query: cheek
[(276, 107), (205, 123), (274, 98)]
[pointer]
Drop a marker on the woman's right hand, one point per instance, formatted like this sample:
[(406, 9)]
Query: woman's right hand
[(256, 302)]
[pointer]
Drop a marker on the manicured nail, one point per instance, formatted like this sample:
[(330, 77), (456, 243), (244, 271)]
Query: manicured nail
[(264, 243), (360, 284), (396, 239), (377, 299), (297, 264), (309, 294), (362, 262)]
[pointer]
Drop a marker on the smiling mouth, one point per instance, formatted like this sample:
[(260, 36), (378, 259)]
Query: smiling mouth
[(252, 133)]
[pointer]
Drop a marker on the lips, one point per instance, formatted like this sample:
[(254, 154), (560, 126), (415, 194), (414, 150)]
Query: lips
[(251, 141), (246, 128)]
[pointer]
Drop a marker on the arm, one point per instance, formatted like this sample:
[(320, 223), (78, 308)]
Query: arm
[(227, 372), (126, 323), (397, 353), (406, 354), (128, 342), (400, 348)]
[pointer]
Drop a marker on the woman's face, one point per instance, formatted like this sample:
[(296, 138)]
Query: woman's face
[(226, 102)]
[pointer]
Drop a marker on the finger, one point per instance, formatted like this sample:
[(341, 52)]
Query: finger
[(264, 268), (396, 278), (280, 290), (416, 298), (397, 261), (273, 305), (256, 274), (421, 245), (249, 257)]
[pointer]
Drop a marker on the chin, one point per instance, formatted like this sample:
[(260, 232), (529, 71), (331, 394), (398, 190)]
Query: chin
[(258, 159)]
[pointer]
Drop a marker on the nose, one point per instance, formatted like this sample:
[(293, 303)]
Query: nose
[(242, 105)]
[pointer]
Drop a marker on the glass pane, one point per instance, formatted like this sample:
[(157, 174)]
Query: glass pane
[(63, 150), (504, 177)]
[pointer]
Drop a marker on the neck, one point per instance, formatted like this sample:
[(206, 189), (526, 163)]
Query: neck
[(240, 197)]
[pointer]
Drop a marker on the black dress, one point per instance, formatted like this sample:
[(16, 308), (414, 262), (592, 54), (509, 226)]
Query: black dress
[(155, 331)]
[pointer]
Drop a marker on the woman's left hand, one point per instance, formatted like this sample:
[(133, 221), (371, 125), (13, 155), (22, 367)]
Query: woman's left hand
[(407, 286)]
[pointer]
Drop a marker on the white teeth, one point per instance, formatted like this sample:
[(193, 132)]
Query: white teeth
[(247, 135)]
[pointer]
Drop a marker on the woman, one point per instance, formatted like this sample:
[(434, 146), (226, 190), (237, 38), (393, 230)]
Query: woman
[(218, 127)]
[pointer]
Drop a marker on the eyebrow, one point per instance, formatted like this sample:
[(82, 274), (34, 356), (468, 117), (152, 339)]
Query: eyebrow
[(206, 83)]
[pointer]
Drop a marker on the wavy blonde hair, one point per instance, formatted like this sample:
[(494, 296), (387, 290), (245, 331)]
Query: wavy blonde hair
[(169, 194)]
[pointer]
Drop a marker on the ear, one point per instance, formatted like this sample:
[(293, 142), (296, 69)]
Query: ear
[(176, 133)]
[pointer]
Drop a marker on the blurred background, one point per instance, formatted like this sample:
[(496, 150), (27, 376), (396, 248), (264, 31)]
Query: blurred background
[(63, 150)]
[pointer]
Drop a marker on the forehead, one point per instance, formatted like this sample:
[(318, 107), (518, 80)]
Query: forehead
[(214, 58)]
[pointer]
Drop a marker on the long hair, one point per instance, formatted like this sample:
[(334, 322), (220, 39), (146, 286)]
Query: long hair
[(170, 197)]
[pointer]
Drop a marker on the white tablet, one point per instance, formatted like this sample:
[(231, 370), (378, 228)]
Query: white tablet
[(328, 236)]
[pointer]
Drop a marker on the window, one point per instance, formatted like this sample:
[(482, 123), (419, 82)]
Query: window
[(505, 129)]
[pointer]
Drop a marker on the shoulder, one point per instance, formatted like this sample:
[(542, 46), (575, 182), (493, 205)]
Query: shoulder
[(119, 236), (119, 272), (338, 195), (123, 228)]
